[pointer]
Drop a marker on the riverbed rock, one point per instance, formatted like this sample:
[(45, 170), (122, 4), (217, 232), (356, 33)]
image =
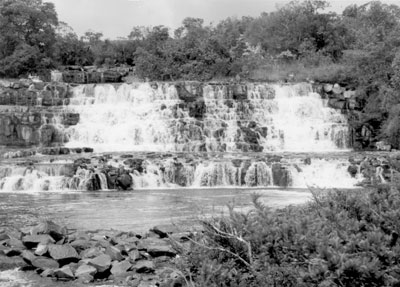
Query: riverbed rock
[(41, 249), (15, 243), (91, 252), (165, 230), (63, 253), (31, 241), (81, 244), (64, 273), (161, 250), (47, 273), (84, 270), (28, 256), (44, 263), (156, 247), (114, 253), (101, 262), (134, 255), (119, 268), (144, 266)]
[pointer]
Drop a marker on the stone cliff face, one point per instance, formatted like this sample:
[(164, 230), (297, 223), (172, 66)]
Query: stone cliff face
[(31, 113), (363, 134)]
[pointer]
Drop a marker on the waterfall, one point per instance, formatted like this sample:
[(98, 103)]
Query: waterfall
[(31, 179), (192, 135), (323, 173), (179, 172), (264, 117), (129, 118)]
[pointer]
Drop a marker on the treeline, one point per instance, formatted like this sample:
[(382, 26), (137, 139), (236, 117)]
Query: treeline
[(32, 39)]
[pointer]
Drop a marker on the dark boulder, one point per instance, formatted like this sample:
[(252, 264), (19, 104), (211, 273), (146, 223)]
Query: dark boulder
[(352, 170), (144, 266), (32, 241), (239, 92), (56, 231), (281, 175), (124, 181)]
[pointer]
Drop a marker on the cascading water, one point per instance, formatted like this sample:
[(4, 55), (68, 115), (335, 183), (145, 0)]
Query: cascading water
[(135, 119), (144, 118), (173, 172), (236, 121)]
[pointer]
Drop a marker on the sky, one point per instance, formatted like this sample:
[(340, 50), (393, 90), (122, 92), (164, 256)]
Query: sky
[(115, 18)]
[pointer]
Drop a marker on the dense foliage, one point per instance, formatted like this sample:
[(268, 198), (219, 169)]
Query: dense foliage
[(341, 238), (27, 36), (298, 36)]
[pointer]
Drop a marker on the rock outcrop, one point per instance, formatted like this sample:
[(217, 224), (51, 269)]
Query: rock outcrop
[(364, 129), (30, 113), (87, 75)]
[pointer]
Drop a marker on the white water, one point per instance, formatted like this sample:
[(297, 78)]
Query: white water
[(124, 119), (142, 118), (145, 118), (171, 173)]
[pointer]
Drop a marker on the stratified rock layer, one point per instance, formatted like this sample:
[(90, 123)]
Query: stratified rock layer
[(31, 114)]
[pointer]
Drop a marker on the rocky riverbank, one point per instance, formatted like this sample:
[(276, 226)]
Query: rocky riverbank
[(108, 257)]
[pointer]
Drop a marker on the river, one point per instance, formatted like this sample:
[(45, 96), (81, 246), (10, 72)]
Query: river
[(136, 210)]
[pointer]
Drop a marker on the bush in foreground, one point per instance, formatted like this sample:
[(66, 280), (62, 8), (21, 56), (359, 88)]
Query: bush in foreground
[(341, 238)]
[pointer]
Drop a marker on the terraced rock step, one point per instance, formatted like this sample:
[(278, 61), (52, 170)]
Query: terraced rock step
[(130, 171)]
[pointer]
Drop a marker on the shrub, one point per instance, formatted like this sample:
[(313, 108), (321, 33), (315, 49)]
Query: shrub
[(341, 238)]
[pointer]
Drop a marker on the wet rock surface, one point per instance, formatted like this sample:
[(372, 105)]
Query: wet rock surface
[(123, 258), (31, 113), (130, 171)]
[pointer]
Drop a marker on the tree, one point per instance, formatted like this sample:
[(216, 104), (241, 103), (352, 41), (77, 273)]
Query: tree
[(370, 23), (69, 50), (27, 36), (295, 23), (92, 37), (139, 33)]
